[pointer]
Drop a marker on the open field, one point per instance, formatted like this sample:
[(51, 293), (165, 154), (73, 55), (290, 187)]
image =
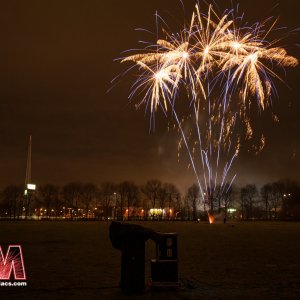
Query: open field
[(75, 260)]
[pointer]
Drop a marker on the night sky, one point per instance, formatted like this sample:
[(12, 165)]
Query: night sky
[(56, 64)]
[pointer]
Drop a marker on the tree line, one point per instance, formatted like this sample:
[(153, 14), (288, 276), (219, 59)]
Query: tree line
[(153, 200)]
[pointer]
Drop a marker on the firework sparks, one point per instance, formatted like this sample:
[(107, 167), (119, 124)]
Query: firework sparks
[(211, 51)]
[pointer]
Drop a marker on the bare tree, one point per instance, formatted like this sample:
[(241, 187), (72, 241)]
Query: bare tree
[(193, 194), (71, 193), (151, 190), (121, 200), (48, 194), (129, 193), (162, 196), (224, 196), (173, 196), (248, 195), (186, 210), (286, 194), (88, 194), (266, 193), (107, 194), (178, 205), (12, 198)]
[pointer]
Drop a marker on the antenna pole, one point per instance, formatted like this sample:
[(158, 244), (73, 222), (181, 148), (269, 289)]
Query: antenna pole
[(28, 166)]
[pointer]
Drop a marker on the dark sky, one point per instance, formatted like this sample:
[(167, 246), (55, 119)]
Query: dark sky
[(56, 63)]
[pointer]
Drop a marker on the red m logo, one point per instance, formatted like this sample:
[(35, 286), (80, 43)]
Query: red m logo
[(13, 261)]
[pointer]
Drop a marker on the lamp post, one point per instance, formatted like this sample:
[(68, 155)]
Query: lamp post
[(115, 210)]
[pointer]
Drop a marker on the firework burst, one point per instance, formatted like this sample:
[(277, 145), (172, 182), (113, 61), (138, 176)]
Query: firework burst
[(223, 67)]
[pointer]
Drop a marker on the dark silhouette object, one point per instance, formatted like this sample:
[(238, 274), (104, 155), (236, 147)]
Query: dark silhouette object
[(224, 221), (166, 249), (164, 269), (130, 239), (193, 195)]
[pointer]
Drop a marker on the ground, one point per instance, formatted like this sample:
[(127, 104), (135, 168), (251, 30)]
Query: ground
[(75, 260)]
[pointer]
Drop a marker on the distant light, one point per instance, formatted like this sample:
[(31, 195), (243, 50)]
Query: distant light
[(231, 210), (156, 211), (31, 186), (25, 192)]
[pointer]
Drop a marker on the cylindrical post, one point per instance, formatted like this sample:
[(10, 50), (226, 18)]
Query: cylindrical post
[(133, 264)]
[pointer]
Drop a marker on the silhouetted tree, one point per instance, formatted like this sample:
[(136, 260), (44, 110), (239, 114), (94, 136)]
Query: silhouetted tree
[(248, 195), (151, 190), (12, 200), (107, 192), (122, 199), (287, 194), (276, 199), (193, 194), (88, 194), (173, 196), (129, 192), (266, 195), (225, 195), (71, 193), (162, 197), (178, 205), (48, 195)]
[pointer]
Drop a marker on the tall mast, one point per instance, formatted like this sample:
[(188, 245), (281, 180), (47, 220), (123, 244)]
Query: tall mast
[(29, 186), (28, 166)]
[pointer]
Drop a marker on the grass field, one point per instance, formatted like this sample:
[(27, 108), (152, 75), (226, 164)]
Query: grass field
[(75, 260)]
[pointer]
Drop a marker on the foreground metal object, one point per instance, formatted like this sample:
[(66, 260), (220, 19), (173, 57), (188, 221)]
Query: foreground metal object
[(130, 239), (164, 269)]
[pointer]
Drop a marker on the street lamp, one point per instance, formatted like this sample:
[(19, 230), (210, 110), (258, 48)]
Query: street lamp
[(115, 210)]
